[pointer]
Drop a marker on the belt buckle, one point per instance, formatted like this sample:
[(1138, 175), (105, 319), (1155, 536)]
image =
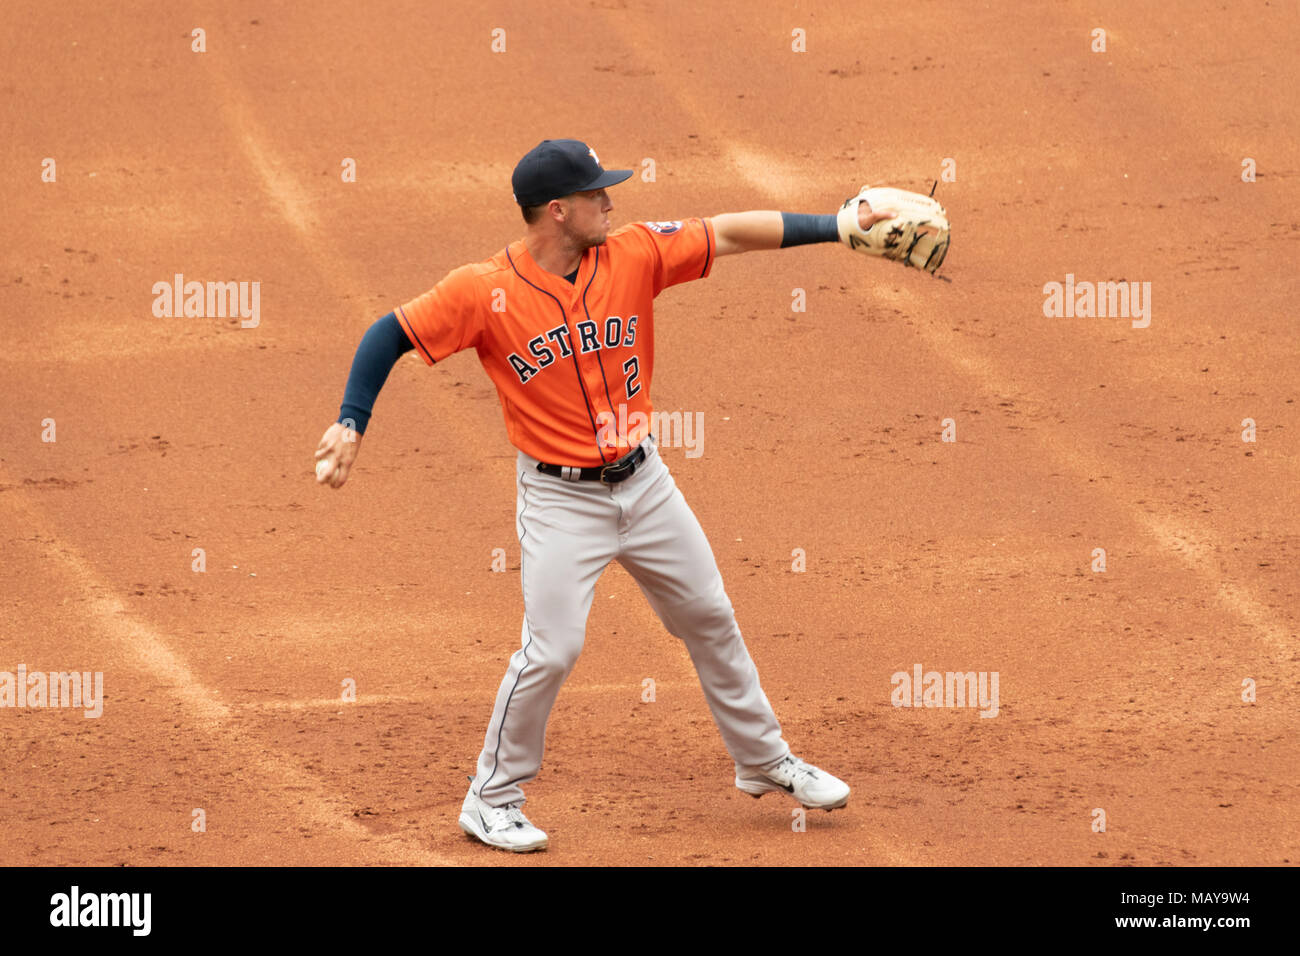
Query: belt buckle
[(624, 464)]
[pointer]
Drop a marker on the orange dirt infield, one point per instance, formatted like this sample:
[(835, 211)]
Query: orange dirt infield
[(1121, 690)]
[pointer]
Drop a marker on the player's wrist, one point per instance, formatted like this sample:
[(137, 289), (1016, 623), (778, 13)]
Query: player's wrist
[(802, 229), (354, 418)]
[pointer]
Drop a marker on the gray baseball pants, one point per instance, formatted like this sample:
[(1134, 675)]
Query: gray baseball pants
[(569, 532)]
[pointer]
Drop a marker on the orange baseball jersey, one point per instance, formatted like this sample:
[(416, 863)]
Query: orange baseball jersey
[(572, 363)]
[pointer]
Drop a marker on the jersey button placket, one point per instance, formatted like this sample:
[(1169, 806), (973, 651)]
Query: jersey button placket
[(606, 418)]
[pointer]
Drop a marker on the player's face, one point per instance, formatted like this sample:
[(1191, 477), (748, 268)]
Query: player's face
[(588, 216)]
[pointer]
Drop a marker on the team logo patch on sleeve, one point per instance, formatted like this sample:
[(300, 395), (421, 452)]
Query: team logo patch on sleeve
[(664, 228)]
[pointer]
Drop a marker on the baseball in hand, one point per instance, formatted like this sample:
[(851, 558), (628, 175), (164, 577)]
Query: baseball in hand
[(324, 468)]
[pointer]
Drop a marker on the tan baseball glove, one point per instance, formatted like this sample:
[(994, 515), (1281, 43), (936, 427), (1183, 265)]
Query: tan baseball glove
[(917, 236)]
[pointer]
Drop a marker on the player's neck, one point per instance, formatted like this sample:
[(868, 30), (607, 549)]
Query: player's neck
[(554, 254)]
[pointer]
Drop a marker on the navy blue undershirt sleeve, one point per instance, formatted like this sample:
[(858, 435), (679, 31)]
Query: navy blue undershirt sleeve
[(382, 345), (801, 229)]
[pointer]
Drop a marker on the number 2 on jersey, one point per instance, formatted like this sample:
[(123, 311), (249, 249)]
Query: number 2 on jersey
[(632, 386)]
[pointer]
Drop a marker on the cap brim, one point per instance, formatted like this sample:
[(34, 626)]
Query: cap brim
[(609, 177)]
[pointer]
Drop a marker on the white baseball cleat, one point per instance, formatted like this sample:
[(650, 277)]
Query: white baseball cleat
[(815, 789), (503, 827)]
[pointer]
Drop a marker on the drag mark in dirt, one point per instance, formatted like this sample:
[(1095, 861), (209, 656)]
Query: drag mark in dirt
[(136, 639)]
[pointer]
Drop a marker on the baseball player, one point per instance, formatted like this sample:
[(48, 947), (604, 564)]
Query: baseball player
[(563, 323)]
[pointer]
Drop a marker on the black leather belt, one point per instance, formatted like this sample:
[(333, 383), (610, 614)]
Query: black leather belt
[(610, 474)]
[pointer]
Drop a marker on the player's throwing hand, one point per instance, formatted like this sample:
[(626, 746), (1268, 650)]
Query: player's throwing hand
[(335, 454)]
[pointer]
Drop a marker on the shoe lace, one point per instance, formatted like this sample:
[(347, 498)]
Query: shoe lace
[(794, 767), (512, 814)]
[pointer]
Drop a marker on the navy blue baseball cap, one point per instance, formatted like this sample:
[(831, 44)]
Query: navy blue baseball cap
[(558, 167)]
